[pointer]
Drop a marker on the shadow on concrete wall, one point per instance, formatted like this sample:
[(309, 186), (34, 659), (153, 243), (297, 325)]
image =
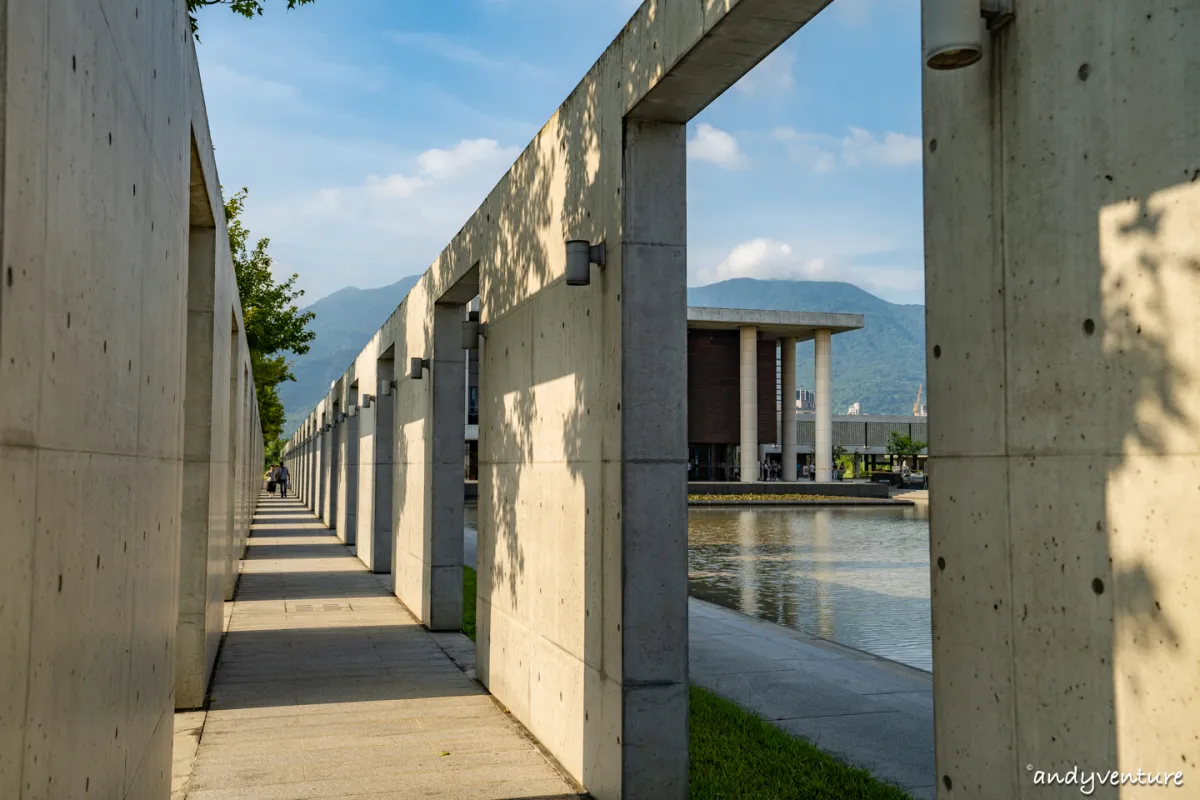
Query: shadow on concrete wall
[(1150, 286), (1100, 430)]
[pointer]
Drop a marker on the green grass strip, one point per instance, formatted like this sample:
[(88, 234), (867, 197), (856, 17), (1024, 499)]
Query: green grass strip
[(735, 755)]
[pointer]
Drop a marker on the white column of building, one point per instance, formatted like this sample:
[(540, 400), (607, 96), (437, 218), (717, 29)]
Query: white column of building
[(748, 373), (787, 357), (823, 442)]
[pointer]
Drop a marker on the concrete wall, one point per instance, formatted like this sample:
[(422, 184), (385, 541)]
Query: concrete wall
[(1062, 287), (581, 608), (223, 447), (100, 104)]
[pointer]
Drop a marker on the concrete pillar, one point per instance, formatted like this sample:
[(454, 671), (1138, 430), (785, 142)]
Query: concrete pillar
[(787, 358), (381, 512), (201, 560), (748, 404), (310, 467), (333, 468), (444, 546), (823, 439), (321, 468), (1065, 418), (347, 503), (653, 624)]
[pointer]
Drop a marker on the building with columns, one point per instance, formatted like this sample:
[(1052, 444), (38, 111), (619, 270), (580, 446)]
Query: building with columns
[(732, 382)]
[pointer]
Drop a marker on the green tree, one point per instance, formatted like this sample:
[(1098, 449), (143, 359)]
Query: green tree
[(247, 8), (903, 445), (273, 323)]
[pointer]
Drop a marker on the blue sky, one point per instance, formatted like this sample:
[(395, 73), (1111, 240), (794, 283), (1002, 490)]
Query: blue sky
[(369, 131)]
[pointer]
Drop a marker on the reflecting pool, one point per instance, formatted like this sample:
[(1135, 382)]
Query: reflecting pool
[(858, 576)]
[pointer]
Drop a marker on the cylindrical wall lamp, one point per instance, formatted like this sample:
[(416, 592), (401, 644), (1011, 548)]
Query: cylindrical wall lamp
[(953, 33), (472, 329), (416, 366), (581, 254)]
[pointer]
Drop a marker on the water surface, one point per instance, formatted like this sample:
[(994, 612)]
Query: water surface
[(858, 576)]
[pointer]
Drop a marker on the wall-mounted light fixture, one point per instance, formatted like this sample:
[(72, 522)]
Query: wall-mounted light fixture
[(367, 399), (472, 329), (416, 366), (352, 411), (954, 33), (581, 254)]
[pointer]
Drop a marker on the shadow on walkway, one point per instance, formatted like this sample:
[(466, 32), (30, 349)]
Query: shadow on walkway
[(327, 687)]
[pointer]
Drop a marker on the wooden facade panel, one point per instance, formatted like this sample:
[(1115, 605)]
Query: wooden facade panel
[(768, 420), (713, 388)]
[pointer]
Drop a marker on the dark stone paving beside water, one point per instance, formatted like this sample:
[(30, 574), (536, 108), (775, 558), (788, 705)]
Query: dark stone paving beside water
[(867, 711)]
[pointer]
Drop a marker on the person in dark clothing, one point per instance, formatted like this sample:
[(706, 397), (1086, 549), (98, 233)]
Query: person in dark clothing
[(281, 479)]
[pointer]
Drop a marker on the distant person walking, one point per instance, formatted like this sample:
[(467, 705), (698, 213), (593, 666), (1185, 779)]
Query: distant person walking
[(281, 477)]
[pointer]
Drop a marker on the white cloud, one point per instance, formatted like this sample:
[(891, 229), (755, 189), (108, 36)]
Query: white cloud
[(767, 258), (465, 157), (854, 257), (385, 226), (716, 147), (773, 74), (892, 149), (822, 153)]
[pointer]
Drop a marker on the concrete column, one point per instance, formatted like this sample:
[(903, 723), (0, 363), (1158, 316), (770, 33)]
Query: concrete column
[(201, 559), (823, 439), (443, 603), (314, 466), (321, 469), (748, 405), (381, 522), (787, 358), (306, 452), (653, 622), (347, 504), (1065, 420), (332, 469)]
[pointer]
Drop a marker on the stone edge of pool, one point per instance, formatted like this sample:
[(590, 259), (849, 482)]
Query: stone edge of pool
[(860, 501)]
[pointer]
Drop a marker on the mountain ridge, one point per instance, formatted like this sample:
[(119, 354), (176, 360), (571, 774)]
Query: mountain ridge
[(879, 366)]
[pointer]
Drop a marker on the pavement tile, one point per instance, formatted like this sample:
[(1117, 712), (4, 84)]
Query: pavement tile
[(327, 687)]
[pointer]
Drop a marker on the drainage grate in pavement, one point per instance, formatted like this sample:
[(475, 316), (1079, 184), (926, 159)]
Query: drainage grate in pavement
[(303, 607)]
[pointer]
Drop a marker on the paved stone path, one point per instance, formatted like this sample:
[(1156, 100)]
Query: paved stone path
[(327, 687), (868, 711)]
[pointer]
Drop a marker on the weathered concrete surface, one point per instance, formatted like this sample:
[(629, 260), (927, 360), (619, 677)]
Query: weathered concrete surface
[(799, 325), (189, 725), (869, 712), (102, 103), (347, 504), (581, 486), (1062, 288), (222, 446), (327, 687)]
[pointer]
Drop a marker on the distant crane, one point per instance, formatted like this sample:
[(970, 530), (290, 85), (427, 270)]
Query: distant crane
[(917, 405)]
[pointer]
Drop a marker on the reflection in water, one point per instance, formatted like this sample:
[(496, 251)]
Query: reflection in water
[(858, 576)]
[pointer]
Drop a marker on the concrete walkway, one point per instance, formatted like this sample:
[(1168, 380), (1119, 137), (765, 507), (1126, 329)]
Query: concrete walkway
[(868, 711), (327, 687)]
